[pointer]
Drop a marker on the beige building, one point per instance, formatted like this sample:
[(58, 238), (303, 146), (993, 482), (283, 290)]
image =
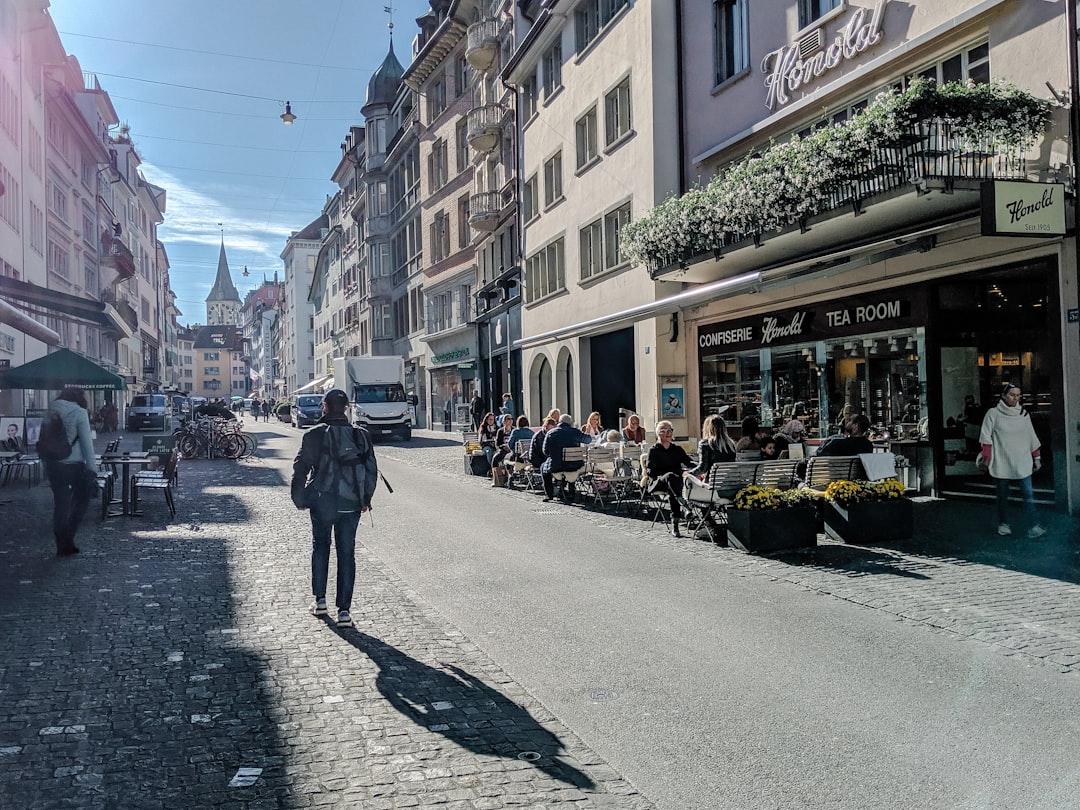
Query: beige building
[(888, 296), (598, 115)]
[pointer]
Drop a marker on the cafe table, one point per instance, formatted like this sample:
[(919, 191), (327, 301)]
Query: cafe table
[(125, 465)]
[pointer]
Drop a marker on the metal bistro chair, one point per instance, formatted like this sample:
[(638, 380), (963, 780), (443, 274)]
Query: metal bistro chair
[(708, 504), (163, 481), (569, 477), (599, 470), (518, 468)]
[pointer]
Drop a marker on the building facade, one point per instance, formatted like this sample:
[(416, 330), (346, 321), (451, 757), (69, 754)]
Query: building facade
[(892, 298), (296, 325), (598, 108)]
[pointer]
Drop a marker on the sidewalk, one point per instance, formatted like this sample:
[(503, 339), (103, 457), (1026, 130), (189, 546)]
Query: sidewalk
[(150, 669)]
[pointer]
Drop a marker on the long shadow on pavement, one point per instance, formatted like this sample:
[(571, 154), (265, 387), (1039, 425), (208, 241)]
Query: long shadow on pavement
[(464, 709)]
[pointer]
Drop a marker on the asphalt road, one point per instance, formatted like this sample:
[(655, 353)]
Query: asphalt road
[(708, 688)]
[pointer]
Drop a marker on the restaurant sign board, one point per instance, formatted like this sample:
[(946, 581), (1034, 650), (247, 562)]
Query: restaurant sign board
[(1017, 208), (852, 315)]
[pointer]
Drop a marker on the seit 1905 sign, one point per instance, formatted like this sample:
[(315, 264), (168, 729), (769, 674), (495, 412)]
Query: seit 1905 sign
[(855, 315), (1016, 208)]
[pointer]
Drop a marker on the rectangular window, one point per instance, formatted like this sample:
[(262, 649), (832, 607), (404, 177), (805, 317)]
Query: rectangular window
[(971, 63), (528, 96), (591, 17), (530, 202), (461, 74), (90, 277), (58, 260), (465, 303), (614, 222), (810, 10), (440, 236), (545, 273), (59, 201), (437, 169), (552, 61), (35, 151), (591, 249), (585, 138), (731, 38), (464, 232), (461, 137), (9, 110), (11, 199), (617, 112), (436, 98), (211, 356), (553, 190), (37, 229)]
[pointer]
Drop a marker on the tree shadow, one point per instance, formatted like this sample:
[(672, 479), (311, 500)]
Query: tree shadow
[(461, 707)]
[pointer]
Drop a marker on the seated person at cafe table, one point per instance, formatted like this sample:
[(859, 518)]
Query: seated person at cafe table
[(634, 432), (852, 442), (664, 465), (564, 435), (717, 447)]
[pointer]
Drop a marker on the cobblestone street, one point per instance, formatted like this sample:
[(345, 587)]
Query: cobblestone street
[(153, 668)]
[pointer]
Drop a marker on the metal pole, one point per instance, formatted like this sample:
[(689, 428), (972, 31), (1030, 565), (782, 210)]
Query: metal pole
[(1074, 123)]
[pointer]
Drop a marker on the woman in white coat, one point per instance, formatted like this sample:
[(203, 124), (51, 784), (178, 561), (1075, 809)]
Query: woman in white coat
[(1010, 448)]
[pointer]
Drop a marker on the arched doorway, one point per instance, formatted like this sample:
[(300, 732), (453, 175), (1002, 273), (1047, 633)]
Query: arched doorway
[(540, 387)]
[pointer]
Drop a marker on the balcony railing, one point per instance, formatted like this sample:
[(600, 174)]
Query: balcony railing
[(485, 209), (116, 254), (485, 126), (483, 44)]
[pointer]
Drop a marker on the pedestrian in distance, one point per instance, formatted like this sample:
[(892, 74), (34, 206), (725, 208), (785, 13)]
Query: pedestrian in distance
[(507, 405), (476, 410), (1010, 452), (334, 477), (70, 477), (266, 410)]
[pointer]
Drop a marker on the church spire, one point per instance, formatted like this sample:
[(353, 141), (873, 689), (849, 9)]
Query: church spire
[(223, 302)]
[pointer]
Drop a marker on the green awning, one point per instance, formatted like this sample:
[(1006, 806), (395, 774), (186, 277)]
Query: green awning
[(59, 370)]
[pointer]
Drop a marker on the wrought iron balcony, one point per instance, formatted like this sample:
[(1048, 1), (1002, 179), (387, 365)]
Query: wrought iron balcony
[(117, 255), (482, 45), (485, 210), (485, 127)]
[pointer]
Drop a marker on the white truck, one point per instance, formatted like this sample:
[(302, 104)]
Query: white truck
[(376, 389)]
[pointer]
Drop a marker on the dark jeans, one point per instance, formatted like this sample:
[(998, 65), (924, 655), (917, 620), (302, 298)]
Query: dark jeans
[(343, 525), (1003, 498), (670, 484), (70, 499), (568, 493)]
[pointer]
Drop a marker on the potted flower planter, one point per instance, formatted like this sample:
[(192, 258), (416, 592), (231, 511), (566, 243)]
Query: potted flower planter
[(870, 522), (761, 530)]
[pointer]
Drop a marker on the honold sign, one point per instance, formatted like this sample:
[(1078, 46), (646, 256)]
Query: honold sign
[(1014, 208), (854, 315), (789, 69)]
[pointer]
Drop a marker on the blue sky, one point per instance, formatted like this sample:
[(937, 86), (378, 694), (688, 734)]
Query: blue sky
[(225, 156)]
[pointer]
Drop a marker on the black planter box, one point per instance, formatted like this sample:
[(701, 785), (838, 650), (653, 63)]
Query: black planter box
[(868, 523), (759, 530)]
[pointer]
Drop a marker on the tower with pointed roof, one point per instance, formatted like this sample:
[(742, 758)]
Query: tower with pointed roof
[(223, 302)]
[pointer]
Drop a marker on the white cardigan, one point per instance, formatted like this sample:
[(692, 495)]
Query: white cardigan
[(1012, 440)]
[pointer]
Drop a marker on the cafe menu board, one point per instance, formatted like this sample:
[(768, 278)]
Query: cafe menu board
[(850, 316)]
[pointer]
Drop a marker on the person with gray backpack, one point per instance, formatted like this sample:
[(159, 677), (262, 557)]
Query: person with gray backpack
[(334, 477), (66, 447)]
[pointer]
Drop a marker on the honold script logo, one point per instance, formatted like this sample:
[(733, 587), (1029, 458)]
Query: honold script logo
[(786, 70), (1018, 209), (772, 329)]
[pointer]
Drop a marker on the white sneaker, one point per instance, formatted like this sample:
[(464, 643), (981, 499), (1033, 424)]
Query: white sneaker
[(1035, 532), (318, 607), (344, 619), (1004, 530)]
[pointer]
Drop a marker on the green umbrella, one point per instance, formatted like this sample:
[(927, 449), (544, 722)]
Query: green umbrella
[(59, 370)]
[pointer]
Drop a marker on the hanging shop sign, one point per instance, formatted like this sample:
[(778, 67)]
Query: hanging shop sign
[(1015, 208), (451, 357), (794, 66), (854, 315)]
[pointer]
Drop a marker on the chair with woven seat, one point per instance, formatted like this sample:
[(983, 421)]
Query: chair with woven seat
[(162, 480)]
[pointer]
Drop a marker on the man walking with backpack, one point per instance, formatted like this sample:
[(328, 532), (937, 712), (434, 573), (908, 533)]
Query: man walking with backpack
[(334, 477), (66, 447)]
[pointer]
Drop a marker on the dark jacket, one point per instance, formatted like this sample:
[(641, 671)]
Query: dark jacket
[(710, 454), (661, 460), (344, 489), (518, 435), (558, 438), (536, 449), (845, 446)]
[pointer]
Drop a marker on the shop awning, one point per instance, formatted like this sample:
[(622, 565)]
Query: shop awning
[(59, 370), (58, 304), (311, 387)]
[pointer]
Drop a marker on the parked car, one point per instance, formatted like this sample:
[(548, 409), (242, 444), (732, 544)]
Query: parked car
[(306, 409), (149, 410)]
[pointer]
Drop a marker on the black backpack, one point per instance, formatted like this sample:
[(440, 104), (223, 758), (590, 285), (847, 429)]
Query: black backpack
[(53, 444)]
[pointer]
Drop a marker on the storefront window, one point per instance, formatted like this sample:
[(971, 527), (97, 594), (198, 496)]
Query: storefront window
[(794, 389), (734, 381), (878, 377)]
